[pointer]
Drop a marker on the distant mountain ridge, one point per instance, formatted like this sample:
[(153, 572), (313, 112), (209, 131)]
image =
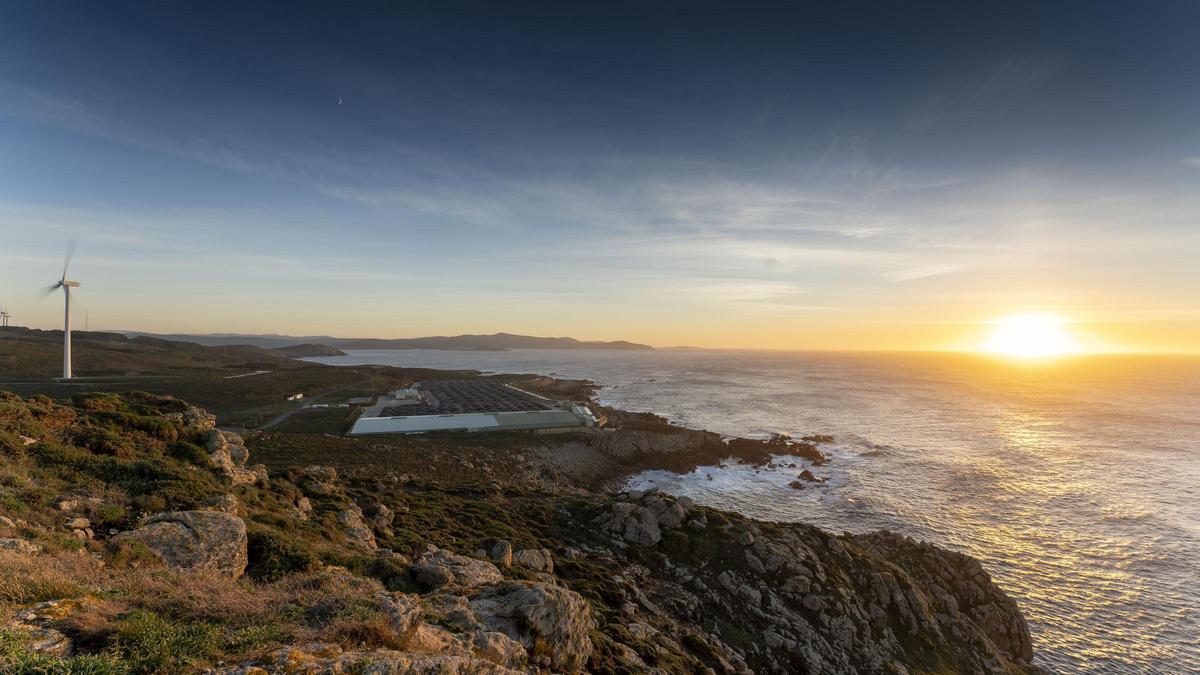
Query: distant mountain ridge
[(493, 342)]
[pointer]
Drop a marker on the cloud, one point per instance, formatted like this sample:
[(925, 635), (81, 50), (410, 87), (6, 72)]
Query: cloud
[(921, 273), (1193, 162)]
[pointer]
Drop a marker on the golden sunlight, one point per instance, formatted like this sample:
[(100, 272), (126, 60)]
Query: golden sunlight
[(1030, 335)]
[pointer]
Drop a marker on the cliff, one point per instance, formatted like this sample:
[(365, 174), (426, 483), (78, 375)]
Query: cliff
[(136, 537)]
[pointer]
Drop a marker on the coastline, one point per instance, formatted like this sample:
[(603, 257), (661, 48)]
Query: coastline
[(415, 527)]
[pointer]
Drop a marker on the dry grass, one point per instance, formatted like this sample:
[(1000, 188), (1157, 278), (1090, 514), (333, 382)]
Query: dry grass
[(228, 619)]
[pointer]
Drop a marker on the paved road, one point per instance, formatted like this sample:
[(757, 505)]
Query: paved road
[(303, 404)]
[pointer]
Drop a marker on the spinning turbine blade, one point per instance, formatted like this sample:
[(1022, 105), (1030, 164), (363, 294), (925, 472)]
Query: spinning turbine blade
[(70, 252)]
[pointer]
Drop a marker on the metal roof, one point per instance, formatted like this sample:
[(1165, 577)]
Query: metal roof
[(500, 421)]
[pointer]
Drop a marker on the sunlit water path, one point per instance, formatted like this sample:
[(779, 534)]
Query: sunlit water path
[(1076, 482)]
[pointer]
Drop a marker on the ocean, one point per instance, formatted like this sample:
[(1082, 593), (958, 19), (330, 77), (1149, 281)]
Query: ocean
[(1076, 481)]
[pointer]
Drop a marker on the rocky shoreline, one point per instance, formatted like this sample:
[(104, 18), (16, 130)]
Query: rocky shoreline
[(637, 442), (139, 538)]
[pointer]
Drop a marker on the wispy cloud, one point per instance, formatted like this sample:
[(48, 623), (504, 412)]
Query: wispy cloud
[(920, 273)]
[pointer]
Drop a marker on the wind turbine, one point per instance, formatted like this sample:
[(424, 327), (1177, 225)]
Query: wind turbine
[(66, 285), (4, 316)]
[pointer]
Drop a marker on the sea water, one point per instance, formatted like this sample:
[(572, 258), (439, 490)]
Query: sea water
[(1075, 481)]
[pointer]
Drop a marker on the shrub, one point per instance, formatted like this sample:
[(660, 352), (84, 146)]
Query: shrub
[(105, 442), (13, 504), (98, 401), (252, 638), (188, 452), (11, 444), (153, 644), (109, 515), (273, 555), (131, 553), (392, 572)]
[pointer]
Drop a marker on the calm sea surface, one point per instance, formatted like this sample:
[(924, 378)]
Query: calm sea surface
[(1076, 482)]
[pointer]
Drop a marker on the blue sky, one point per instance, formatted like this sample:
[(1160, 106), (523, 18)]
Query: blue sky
[(865, 175)]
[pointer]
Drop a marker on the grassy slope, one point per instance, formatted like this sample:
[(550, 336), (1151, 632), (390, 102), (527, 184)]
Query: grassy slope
[(206, 376), (138, 617)]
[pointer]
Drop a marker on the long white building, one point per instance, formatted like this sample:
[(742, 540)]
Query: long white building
[(469, 405)]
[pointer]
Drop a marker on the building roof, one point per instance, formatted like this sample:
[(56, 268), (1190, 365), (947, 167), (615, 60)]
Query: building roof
[(501, 421)]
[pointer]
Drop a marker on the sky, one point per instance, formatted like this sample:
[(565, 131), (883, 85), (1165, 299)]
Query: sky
[(755, 175)]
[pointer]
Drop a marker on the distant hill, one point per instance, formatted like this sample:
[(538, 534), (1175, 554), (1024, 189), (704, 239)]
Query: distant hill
[(306, 350), (494, 342)]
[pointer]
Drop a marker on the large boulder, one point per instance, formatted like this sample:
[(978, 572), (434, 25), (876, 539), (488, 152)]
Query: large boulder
[(190, 540), (438, 569), (551, 622), (355, 528), (379, 516), (227, 454), (536, 559), (319, 480), (643, 516), (501, 553)]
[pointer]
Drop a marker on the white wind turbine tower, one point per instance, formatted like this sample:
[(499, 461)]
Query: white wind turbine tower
[(66, 285)]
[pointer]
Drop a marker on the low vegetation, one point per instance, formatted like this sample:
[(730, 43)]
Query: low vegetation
[(334, 527)]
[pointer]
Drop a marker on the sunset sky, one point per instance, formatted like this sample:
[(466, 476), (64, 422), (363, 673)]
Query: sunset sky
[(854, 176)]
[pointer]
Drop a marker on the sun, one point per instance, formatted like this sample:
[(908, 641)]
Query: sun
[(1031, 335)]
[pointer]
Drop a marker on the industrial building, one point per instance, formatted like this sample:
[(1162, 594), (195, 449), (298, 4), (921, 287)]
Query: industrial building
[(470, 405)]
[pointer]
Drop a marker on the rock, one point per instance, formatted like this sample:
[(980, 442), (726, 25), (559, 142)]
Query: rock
[(499, 649), (5, 521), (19, 546), (747, 538), (190, 540), (809, 477), (501, 553), (536, 559), (796, 485), (642, 528), (551, 622), (355, 529), (223, 504), (193, 419), (435, 570), (808, 451), (379, 516), (669, 514), (33, 626), (319, 480), (634, 523), (228, 455), (403, 612), (672, 448), (77, 523), (303, 507), (67, 504)]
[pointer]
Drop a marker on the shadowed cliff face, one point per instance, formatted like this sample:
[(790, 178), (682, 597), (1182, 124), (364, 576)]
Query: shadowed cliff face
[(128, 520)]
